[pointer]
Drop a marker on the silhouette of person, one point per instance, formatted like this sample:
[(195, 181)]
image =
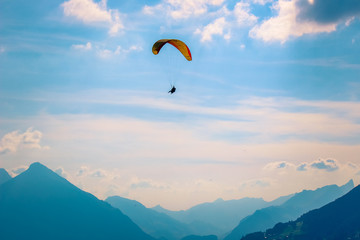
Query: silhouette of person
[(172, 90)]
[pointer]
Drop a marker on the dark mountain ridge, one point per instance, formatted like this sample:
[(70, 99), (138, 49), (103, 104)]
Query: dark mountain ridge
[(39, 204), (337, 220), (293, 208)]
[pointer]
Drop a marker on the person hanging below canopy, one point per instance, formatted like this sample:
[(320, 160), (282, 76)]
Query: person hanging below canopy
[(172, 90)]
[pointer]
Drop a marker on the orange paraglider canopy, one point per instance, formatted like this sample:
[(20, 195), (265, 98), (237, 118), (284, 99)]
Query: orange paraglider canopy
[(181, 46)]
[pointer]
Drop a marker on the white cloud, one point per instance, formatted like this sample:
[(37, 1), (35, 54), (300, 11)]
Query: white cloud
[(2, 49), (93, 13), (182, 9), (99, 173), (217, 27), (255, 183), (61, 172), (84, 47), (278, 165), (137, 183), (105, 53), (82, 171), (243, 15), (119, 51), (16, 140), (133, 48), (286, 24), (18, 170), (261, 2)]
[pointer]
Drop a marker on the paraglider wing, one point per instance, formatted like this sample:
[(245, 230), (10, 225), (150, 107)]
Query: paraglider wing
[(181, 46)]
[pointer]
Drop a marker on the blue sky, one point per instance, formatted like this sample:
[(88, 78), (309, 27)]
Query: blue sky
[(268, 106)]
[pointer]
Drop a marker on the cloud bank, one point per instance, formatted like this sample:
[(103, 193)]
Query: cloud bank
[(326, 165), (291, 18)]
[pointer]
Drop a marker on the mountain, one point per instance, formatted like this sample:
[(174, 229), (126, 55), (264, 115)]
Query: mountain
[(299, 204), (194, 237), (152, 222), (337, 220), (4, 176), (219, 217), (39, 204)]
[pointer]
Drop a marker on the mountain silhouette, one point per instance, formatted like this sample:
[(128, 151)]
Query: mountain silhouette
[(39, 204), (4, 176), (156, 224), (219, 217), (337, 220), (297, 205)]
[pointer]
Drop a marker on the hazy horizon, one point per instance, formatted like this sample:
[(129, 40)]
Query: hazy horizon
[(268, 106)]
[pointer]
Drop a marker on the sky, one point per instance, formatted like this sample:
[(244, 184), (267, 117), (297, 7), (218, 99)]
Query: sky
[(269, 105)]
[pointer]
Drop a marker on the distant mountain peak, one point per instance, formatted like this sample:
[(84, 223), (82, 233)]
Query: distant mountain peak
[(38, 169), (3, 172), (219, 200), (4, 176), (159, 208), (350, 183), (37, 166), (50, 207)]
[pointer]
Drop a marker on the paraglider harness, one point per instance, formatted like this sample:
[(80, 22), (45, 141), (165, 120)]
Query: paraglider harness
[(172, 90)]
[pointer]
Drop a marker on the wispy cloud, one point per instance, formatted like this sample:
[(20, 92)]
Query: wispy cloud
[(268, 119), (182, 9), (119, 51), (83, 47)]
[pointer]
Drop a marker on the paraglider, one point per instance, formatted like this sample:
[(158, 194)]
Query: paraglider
[(179, 45)]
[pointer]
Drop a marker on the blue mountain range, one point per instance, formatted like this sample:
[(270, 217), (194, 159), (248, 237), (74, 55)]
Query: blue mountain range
[(39, 204)]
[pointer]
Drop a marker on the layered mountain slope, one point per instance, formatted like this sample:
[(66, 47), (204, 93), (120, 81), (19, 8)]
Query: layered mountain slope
[(299, 204), (220, 216), (152, 222), (337, 220)]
